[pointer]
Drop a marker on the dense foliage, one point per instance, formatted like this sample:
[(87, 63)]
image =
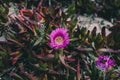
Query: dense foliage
[(40, 40)]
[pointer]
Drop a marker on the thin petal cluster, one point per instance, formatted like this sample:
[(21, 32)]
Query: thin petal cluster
[(104, 63), (59, 38)]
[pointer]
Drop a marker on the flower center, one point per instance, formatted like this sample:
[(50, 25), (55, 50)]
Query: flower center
[(103, 61), (58, 40)]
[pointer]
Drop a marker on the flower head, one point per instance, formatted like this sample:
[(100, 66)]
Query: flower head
[(59, 38), (104, 63)]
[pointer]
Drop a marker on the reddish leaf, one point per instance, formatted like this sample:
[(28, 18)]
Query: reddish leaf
[(25, 73), (69, 59), (45, 77), (78, 70), (27, 13), (14, 60), (15, 56), (42, 57), (15, 42), (63, 62)]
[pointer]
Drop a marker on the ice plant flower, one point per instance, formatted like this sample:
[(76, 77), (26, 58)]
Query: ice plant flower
[(104, 63), (59, 38)]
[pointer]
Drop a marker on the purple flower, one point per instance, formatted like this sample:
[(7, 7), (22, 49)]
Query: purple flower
[(59, 38), (104, 63)]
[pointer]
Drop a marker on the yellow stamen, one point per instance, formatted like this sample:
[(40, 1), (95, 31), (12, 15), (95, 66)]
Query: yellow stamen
[(58, 40)]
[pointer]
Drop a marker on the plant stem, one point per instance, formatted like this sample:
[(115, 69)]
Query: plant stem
[(67, 74), (104, 74)]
